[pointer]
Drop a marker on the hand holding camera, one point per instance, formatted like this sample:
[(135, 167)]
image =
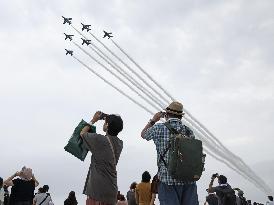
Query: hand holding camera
[(98, 116), (215, 176)]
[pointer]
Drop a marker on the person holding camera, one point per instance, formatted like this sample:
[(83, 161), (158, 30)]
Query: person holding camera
[(101, 182), (226, 195), (171, 191), (22, 188)]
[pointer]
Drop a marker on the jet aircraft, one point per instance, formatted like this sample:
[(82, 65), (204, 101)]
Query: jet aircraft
[(106, 34), (87, 42), (84, 26), (67, 20), (69, 52), (68, 37)]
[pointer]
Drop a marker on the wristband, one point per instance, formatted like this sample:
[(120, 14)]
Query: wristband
[(151, 122)]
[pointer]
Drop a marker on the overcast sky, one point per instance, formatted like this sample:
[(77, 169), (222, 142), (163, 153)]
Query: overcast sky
[(216, 57)]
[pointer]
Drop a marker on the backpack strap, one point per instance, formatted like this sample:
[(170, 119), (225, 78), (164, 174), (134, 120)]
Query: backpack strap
[(44, 199), (173, 131)]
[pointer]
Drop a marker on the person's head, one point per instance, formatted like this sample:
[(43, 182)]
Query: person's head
[(270, 198), (222, 179), (122, 198), (133, 185), (26, 173), (240, 193), (146, 177), (46, 188), (40, 190), (113, 125), (174, 110), (72, 195), (1, 182)]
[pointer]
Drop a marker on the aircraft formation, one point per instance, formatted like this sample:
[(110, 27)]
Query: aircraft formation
[(84, 27)]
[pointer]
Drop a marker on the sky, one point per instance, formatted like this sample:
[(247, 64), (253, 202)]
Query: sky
[(213, 56)]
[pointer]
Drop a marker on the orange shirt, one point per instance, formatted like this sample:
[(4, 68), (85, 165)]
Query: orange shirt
[(144, 192)]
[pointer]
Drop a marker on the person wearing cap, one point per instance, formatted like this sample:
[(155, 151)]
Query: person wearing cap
[(170, 190), (22, 188)]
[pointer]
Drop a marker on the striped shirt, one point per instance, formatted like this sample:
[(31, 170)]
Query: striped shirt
[(159, 133)]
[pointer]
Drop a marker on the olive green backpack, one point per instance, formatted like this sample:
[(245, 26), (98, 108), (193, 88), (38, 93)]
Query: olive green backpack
[(75, 144), (185, 157)]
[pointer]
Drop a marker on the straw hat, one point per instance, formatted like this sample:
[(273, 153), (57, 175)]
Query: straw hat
[(175, 108)]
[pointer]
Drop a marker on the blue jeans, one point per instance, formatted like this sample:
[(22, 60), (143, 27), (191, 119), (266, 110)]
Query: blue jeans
[(178, 194)]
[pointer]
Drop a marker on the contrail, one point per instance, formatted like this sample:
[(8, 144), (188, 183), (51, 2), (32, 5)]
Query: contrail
[(121, 70), (118, 77), (116, 88), (149, 76), (132, 70)]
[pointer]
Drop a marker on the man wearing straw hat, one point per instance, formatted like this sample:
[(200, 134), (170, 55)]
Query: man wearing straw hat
[(170, 190)]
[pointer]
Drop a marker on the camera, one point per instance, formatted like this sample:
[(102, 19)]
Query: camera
[(103, 116), (215, 175)]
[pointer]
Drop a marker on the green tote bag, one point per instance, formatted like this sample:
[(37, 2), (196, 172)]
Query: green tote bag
[(75, 144)]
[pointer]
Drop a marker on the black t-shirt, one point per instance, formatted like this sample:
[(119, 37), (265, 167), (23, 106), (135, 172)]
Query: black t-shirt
[(22, 190)]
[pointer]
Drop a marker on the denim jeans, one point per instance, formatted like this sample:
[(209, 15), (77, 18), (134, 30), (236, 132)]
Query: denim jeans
[(178, 194)]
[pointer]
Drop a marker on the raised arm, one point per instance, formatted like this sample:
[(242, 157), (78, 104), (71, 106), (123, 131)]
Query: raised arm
[(155, 119), (35, 180), (95, 118), (9, 181)]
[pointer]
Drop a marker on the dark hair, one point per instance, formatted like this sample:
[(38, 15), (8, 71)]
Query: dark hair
[(170, 115), (115, 124), (122, 198), (46, 188), (71, 199), (222, 179), (146, 177), (1, 182), (270, 198), (133, 185), (41, 190)]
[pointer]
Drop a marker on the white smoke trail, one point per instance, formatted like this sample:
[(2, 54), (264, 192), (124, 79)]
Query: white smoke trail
[(143, 70), (120, 70), (118, 77), (132, 70), (115, 87)]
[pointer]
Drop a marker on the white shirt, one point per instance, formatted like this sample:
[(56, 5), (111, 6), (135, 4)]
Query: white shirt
[(40, 197)]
